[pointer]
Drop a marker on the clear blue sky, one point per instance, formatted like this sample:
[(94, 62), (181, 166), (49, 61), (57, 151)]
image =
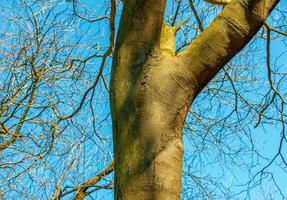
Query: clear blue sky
[(267, 138)]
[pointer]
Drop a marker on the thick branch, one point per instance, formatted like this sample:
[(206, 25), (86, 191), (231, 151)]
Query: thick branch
[(225, 37), (139, 31), (82, 190)]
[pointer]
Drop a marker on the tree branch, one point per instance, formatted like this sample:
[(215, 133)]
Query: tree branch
[(82, 190), (233, 28), (200, 26)]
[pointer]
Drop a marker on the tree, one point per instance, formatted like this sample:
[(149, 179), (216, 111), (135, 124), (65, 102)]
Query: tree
[(152, 89)]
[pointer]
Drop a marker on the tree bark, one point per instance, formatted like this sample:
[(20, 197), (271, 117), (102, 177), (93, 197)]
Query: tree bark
[(151, 91)]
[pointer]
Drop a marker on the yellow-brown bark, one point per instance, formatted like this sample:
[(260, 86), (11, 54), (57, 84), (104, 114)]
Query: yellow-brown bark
[(151, 90)]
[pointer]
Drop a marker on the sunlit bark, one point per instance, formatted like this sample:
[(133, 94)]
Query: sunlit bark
[(151, 91)]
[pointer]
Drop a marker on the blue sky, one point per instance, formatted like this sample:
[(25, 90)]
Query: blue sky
[(267, 137)]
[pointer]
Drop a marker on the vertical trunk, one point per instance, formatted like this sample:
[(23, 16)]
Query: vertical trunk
[(148, 130), (152, 89)]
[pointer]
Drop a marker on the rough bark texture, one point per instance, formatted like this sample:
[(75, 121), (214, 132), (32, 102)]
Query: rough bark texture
[(151, 91)]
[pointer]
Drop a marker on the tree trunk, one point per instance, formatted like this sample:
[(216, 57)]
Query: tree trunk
[(151, 91), (148, 131)]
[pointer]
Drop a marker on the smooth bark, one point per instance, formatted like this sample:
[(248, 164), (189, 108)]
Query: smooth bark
[(151, 91)]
